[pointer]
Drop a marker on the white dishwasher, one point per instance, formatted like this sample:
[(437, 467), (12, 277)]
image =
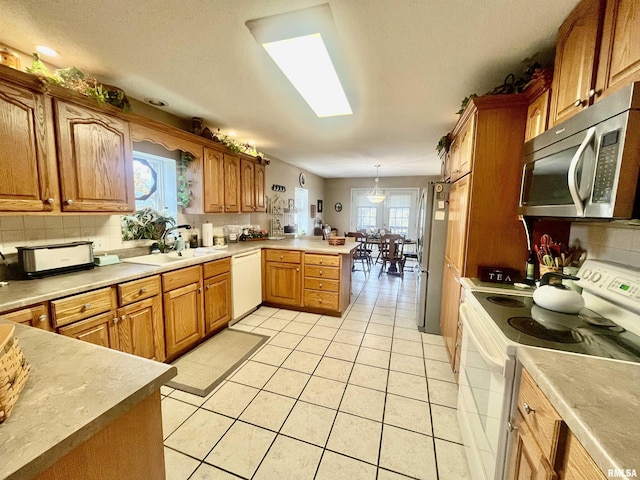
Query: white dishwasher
[(246, 283)]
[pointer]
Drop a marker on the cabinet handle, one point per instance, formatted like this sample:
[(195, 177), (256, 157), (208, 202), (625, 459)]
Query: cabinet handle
[(86, 306), (455, 370), (297, 269), (527, 409), (50, 201), (320, 273), (207, 287), (320, 285), (143, 290), (281, 257), (511, 427), (116, 320), (577, 103), (199, 289), (42, 318), (320, 262), (68, 201), (594, 93), (319, 300), (458, 345)]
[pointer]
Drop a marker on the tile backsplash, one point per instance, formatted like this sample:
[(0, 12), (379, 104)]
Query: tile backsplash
[(103, 230), (615, 242)]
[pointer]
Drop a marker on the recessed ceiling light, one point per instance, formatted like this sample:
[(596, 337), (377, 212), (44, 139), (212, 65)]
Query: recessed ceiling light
[(156, 102), (44, 50)]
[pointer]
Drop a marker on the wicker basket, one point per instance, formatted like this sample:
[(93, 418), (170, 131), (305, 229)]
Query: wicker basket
[(14, 370), (337, 240)]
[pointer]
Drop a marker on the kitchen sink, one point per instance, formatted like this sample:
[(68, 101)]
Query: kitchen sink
[(170, 257)]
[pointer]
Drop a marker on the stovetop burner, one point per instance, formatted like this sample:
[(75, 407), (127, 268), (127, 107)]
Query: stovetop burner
[(507, 302), (531, 327)]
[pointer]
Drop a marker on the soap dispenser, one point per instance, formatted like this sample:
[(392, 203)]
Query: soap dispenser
[(180, 246)]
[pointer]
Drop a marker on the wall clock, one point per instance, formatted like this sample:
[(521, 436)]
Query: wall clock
[(338, 207), (302, 179)]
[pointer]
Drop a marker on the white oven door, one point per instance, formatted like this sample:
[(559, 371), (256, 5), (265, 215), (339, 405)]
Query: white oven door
[(486, 381)]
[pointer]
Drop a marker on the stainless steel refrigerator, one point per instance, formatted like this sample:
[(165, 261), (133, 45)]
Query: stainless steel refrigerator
[(433, 210)]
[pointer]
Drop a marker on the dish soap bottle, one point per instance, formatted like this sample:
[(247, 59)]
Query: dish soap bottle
[(531, 266)]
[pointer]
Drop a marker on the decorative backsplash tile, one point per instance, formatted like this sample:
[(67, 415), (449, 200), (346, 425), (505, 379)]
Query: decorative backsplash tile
[(615, 242)]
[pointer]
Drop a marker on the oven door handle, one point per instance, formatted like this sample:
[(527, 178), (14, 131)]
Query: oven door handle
[(574, 189), (494, 364)]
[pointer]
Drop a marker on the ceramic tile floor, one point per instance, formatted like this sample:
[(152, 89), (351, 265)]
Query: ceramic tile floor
[(365, 396)]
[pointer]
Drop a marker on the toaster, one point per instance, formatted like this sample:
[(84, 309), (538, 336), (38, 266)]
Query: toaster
[(45, 260)]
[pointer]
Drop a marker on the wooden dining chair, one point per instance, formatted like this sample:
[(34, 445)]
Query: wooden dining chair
[(361, 254), (391, 247)]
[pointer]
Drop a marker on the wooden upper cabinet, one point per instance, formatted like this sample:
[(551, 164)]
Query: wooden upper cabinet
[(457, 224), (576, 58), (214, 183), (260, 186), (620, 50), (247, 187), (537, 116), (95, 160), (28, 181), (464, 140), (231, 183)]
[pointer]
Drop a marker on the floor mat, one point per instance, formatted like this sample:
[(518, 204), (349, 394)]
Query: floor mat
[(203, 368)]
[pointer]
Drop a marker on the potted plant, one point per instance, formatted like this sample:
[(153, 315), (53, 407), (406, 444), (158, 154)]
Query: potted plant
[(145, 224)]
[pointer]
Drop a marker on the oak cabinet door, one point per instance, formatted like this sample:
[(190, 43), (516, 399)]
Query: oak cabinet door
[(247, 186), (527, 460), (283, 283), (620, 52), (259, 189), (217, 302), (34, 316), (575, 64), (95, 160), (27, 167), (537, 116), (183, 318), (449, 311), (231, 183), (98, 330), (213, 181), (140, 329)]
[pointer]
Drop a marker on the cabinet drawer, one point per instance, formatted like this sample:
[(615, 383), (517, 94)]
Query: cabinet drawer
[(325, 260), (316, 271), (322, 284), (138, 290), (540, 416), (34, 316), (180, 278), (84, 305), (320, 299), (217, 267), (286, 256)]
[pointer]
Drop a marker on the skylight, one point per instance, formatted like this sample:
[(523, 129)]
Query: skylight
[(306, 63)]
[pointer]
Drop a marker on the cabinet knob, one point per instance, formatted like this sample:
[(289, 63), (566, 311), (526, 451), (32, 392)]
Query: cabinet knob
[(297, 269), (50, 200), (281, 257), (577, 103), (143, 290), (527, 409), (42, 318), (116, 320), (68, 201), (319, 300), (86, 306), (320, 285), (511, 427), (207, 287), (320, 273), (320, 262), (199, 289), (594, 93)]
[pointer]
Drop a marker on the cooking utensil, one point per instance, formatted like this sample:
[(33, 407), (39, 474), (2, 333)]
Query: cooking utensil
[(556, 296)]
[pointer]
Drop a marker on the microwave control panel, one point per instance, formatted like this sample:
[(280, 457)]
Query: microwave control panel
[(606, 167)]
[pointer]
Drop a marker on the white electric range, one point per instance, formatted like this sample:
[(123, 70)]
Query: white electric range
[(497, 320)]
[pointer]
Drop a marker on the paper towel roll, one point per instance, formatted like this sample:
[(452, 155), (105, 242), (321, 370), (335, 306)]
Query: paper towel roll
[(207, 234)]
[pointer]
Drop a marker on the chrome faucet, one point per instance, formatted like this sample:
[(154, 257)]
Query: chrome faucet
[(186, 226)]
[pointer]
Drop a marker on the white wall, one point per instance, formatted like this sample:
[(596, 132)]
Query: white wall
[(614, 241), (339, 190)]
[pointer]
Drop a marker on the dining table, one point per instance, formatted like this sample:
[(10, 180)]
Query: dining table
[(393, 267)]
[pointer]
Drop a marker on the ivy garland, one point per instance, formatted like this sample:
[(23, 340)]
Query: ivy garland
[(184, 185)]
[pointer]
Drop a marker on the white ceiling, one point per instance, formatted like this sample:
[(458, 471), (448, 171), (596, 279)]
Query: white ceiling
[(410, 63)]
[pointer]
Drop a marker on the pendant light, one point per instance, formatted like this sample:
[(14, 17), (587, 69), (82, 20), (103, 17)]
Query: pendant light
[(376, 196)]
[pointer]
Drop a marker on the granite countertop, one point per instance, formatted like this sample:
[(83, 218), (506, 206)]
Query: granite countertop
[(74, 390), (21, 293), (599, 399)]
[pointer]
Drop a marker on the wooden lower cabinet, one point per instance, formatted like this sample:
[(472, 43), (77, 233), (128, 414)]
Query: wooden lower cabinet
[(449, 317), (183, 309), (282, 284), (543, 447), (34, 316), (217, 295), (98, 330), (140, 329)]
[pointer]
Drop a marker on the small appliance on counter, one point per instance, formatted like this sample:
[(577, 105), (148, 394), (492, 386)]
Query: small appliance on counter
[(232, 233), (45, 260)]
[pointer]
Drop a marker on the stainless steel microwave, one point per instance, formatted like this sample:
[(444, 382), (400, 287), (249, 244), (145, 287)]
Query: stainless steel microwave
[(587, 166)]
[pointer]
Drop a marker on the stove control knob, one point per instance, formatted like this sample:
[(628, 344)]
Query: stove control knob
[(596, 276), (586, 274)]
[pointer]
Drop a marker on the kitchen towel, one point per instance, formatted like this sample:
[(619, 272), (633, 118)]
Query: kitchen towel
[(207, 234)]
